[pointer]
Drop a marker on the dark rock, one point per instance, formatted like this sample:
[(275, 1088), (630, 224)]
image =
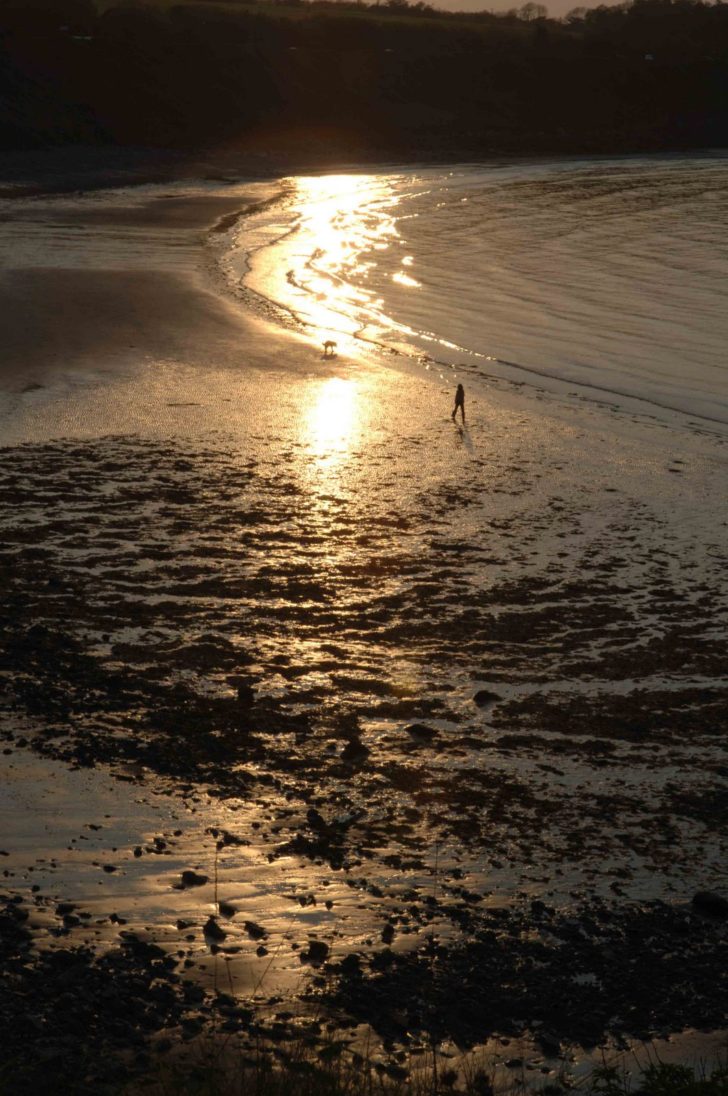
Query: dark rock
[(254, 931), (191, 879), (315, 820), (481, 1084), (484, 698), (246, 696), (710, 903), (422, 731), (549, 1043), (398, 1073), (355, 750), (317, 952), (226, 909), (213, 931), (141, 949), (225, 838), (17, 913), (351, 965)]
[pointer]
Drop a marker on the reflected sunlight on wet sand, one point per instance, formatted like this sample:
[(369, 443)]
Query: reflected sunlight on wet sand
[(394, 682)]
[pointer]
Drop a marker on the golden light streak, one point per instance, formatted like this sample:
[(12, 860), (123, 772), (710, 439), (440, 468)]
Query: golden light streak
[(341, 219), (332, 419)]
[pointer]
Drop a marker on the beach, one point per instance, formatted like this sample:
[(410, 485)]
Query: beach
[(401, 696)]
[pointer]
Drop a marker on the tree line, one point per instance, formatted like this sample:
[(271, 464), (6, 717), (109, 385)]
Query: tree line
[(389, 78)]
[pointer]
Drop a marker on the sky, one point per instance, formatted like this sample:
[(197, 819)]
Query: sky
[(556, 8)]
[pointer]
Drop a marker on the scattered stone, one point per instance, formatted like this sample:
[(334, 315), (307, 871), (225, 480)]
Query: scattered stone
[(316, 953), (191, 879), (549, 1044), (225, 838), (145, 704), (246, 695), (421, 731), (710, 903), (254, 931), (72, 1017), (213, 931), (316, 820), (481, 1084), (484, 698), (354, 750)]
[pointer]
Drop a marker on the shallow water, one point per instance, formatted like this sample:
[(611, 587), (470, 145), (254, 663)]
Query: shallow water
[(606, 274)]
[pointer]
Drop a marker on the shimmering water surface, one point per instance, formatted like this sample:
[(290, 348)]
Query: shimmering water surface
[(608, 275)]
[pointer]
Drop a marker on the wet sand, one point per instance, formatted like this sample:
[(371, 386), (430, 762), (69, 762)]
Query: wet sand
[(432, 699)]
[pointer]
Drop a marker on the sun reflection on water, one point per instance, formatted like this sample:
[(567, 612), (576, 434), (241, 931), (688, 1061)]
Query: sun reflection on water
[(332, 419), (404, 279), (343, 222)]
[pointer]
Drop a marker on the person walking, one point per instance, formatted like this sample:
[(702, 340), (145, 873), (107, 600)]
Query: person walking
[(459, 402)]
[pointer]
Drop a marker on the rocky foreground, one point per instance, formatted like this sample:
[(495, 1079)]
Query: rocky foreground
[(467, 683)]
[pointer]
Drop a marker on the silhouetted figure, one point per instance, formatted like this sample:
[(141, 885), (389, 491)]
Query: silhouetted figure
[(459, 402), (329, 348)]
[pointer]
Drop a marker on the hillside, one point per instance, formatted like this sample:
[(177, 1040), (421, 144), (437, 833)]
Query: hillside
[(363, 80)]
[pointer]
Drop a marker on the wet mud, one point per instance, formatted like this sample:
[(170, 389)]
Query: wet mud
[(495, 720)]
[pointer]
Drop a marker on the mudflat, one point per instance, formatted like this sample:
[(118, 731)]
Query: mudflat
[(315, 704)]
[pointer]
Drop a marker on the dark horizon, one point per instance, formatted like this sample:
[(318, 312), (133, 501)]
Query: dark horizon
[(646, 77)]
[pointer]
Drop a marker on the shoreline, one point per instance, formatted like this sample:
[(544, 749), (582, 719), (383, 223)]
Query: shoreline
[(297, 308), (70, 168), (210, 286)]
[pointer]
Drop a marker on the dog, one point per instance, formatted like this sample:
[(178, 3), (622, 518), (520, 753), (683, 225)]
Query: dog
[(329, 348)]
